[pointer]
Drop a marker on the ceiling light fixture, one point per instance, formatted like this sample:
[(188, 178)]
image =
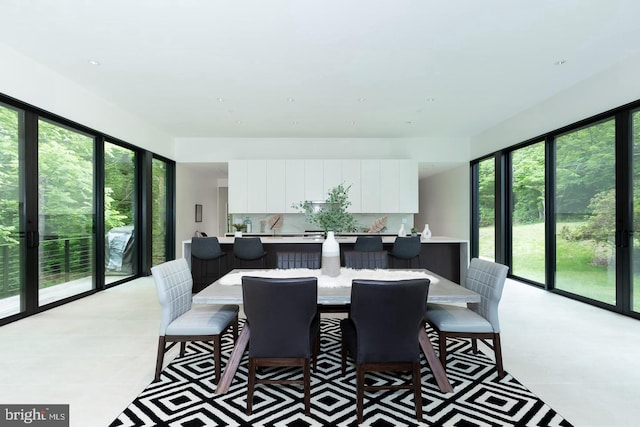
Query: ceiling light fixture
[(290, 99), (560, 62), (94, 62), (362, 99), (220, 99), (430, 99)]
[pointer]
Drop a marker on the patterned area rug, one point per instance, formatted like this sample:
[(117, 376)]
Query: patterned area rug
[(185, 395)]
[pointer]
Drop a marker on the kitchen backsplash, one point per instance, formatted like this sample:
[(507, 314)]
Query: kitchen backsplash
[(295, 223)]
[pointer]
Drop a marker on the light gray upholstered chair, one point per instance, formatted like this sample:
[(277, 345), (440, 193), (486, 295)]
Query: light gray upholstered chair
[(181, 322), (477, 321)]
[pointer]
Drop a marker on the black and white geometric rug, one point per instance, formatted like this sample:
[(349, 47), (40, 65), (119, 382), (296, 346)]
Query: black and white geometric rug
[(185, 395)]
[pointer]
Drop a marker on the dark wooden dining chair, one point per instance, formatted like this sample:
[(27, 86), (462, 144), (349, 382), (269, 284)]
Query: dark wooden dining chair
[(181, 322), (381, 333), (206, 266), (477, 321), (282, 315), (365, 260)]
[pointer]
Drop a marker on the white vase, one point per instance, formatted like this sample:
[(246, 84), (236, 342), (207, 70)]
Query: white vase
[(426, 233), (331, 256), (401, 232), (237, 234)]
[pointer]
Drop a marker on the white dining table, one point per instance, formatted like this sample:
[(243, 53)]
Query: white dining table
[(334, 291)]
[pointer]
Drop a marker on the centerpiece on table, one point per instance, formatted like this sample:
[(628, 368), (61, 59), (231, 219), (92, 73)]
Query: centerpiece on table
[(332, 216)]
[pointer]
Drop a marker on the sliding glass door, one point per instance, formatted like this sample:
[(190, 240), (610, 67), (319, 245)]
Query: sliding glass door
[(12, 236), (66, 212), (635, 248), (585, 212), (486, 208)]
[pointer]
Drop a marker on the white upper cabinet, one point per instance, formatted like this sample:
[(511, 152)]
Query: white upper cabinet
[(332, 176), (314, 180), (273, 186), (238, 184), (257, 186), (351, 178), (408, 174), (370, 186), (276, 186), (294, 186)]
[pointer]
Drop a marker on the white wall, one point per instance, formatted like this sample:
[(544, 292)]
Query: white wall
[(445, 203), (612, 88), (32, 83), (195, 186), (428, 150)]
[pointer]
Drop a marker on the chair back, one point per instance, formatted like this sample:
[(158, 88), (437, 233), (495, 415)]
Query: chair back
[(387, 316), (173, 283), (298, 260), (280, 312), (406, 247), (206, 248), (248, 248), (487, 279), (366, 260), (368, 243)]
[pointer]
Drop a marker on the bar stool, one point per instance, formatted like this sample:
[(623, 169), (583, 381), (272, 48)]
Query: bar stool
[(407, 248), (368, 244), (248, 250), (205, 251)]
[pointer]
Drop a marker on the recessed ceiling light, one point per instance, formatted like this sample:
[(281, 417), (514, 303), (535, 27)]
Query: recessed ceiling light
[(430, 100), (220, 99), (290, 99), (362, 99), (94, 62), (408, 122), (560, 62), (353, 123), (295, 122), (239, 122)]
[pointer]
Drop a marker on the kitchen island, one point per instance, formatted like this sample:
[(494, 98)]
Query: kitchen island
[(446, 256)]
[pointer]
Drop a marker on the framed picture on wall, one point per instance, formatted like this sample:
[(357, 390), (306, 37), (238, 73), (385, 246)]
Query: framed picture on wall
[(198, 213)]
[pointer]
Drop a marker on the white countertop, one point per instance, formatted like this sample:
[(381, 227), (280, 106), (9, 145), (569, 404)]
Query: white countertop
[(340, 239)]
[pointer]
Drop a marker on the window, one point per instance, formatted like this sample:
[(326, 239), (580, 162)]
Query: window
[(486, 208), (528, 212)]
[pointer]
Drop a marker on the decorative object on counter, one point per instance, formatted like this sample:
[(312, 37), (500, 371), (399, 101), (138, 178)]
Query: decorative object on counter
[(426, 233), (332, 214), (414, 232), (275, 222), (401, 232), (378, 225), (263, 224), (248, 226), (198, 213), (239, 229), (331, 256)]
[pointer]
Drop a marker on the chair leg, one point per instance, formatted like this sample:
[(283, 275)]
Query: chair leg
[(360, 393), (442, 339), (498, 354), (250, 385), (234, 328), (344, 358), (307, 387), (417, 391), (316, 352), (217, 359), (183, 347), (474, 345), (160, 358)]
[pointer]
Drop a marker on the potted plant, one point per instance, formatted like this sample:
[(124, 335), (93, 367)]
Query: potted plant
[(332, 215)]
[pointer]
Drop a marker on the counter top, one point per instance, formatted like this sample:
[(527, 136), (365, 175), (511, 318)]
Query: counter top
[(340, 239)]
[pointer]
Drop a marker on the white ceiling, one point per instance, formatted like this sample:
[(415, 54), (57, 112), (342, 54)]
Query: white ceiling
[(324, 68)]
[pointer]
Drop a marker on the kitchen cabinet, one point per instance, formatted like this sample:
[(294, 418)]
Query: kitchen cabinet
[(272, 186), (238, 185), (294, 185), (256, 186), (276, 186)]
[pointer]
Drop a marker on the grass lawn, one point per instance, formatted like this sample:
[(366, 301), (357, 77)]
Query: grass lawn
[(575, 271)]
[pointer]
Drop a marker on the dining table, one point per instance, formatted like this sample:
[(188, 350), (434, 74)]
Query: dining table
[(334, 292)]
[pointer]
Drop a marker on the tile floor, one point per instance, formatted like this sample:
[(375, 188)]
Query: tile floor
[(98, 353)]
